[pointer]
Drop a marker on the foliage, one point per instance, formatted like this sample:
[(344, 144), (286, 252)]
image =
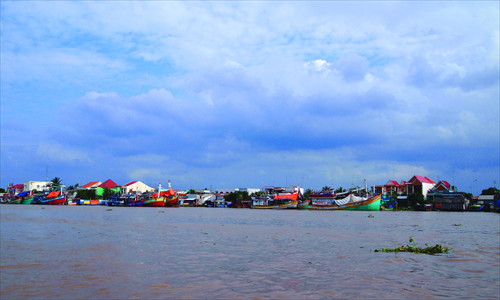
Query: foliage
[(308, 193), (56, 183), (415, 249), (2, 190), (86, 194), (325, 188), (191, 191), (340, 190), (467, 195), (236, 196), (491, 191), (107, 193), (413, 199)]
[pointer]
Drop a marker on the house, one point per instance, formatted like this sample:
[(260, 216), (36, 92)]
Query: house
[(15, 189), (419, 185), (37, 185), (91, 185), (108, 184), (443, 186), (450, 201), (135, 187), (392, 185)]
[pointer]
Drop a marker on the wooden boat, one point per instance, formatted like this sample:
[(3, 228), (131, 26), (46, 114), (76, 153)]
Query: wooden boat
[(27, 200), (154, 200), (303, 204), (349, 203), (171, 197), (277, 202), (53, 198), (13, 201)]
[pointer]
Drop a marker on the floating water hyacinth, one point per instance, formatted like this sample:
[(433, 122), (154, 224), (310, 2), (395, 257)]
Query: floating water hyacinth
[(415, 249)]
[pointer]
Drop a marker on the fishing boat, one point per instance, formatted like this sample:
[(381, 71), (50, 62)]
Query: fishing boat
[(171, 197), (27, 200), (303, 204), (350, 202), (13, 201), (284, 201), (53, 198), (155, 199)]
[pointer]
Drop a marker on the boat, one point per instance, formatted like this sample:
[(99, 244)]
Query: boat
[(171, 197), (284, 201), (88, 202), (161, 198), (27, 200), (13, 201), (350, 202), (53, 198), (303, 204)]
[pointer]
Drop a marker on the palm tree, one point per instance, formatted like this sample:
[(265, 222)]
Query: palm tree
[(56, 183), (325, 188)]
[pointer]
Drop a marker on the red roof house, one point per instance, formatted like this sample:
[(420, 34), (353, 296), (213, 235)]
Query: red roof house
[(419, 184), (92, 184), (108, 184)]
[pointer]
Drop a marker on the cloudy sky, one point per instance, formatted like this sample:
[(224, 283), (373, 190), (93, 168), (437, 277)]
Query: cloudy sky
[(246, 94)]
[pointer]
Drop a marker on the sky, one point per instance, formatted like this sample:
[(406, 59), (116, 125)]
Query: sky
[(226, 94)]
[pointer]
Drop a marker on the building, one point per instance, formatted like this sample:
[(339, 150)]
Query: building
[(419, 185), (14, 189), (91, 185), (136, 187), (108, 184), (450, 201), (37, 185)]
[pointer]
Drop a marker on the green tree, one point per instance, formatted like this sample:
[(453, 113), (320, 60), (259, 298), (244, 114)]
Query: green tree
[(107, 193), (308, 193), (86, 194), (191, 191), (2, 190), (236, 197), (491, 191), (325, 188), (340, 190), (56, 183)]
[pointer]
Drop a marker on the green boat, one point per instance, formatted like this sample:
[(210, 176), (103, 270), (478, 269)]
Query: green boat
[(27, 200), (15, 201)]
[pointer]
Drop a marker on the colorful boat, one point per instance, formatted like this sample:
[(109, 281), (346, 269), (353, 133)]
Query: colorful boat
[(88, 202), (53, 198), (27, 200), (277, 202), (171, 197), (303, 204), (349, 203), (13, 201)]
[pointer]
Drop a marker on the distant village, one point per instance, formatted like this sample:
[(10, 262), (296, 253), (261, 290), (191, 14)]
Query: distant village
[(417, 193)]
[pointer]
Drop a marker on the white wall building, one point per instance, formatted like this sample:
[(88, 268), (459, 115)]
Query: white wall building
[(37, 185), (136, 186)]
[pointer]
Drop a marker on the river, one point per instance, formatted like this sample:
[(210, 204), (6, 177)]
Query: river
[(68, 252)]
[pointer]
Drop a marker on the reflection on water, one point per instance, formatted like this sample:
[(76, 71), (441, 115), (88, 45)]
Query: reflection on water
[(137, 253)]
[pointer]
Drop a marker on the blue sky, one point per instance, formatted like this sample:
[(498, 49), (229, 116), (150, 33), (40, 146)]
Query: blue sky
[(248, 94)]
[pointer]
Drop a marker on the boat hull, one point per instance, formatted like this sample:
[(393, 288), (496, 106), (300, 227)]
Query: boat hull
[(54, 201), (172, 202), (17, 201), (292, 204), (154, 202), (369, 204), (27, 200), (303, 204)]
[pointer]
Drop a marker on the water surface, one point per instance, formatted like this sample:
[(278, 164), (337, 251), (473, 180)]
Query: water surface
[(62, 252)]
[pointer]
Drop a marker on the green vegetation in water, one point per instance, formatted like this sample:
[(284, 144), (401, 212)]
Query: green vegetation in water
[(370, 216), (456, 225), (109, 209), (415, 249)]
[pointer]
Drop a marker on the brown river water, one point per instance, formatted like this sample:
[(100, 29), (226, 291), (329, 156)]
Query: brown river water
[(73, 252)]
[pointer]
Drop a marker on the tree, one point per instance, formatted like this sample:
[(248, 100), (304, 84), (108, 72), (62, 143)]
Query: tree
[(2, 190), (191, 191), (340, 190), (308, 193), (86, 194), (325, 188), (107, 193), (56, 183), (491, 191)]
